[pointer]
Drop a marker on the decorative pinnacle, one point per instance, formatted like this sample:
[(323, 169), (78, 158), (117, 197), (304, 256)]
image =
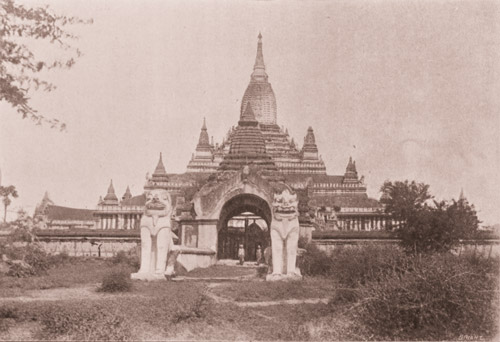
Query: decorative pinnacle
[(259, 36), (461, 197), (111, 189), (127, 195), (160, 168), (259, 68), (203, 140), (111, 196), (248, 115), (351, 166)]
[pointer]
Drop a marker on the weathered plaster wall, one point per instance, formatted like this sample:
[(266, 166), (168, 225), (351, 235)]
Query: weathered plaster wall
[(482, 247)]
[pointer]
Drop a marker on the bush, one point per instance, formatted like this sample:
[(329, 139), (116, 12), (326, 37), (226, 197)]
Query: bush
[(123, 258), (262, 271), (442, 297), (357, 265), (116, 281), (35, 261), (88, 321), (315, 262), (20, 270), (198, 309), (37, 258), (61, 259), (7, 315)]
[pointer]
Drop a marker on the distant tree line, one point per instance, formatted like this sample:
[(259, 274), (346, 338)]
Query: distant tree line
[(427, 225)]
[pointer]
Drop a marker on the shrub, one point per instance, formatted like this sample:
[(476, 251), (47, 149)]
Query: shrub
[(60, 259), (116, 281), (442, 297), (357, 265), (87, 321), (344, 296), (123, 258), (196, 310), (314, 262), (262, 271), (7, 315), (303, 241), (33, 260), (20, 270), (36, 256)]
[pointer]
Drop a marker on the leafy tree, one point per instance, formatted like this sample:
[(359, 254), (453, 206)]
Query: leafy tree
[(428, 227), (403, 199), (20, 66), (463, 218), (5, 193), (439, 228)]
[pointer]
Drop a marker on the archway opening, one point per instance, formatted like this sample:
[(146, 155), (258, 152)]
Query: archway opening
[(244, 220)]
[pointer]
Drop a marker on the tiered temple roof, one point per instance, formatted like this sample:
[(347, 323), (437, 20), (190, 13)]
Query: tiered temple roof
[(257, 140), (351, 175), (247, 146), (110, 198), (259, 96)]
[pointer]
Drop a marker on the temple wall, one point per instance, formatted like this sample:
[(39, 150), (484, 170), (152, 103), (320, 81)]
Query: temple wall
[(207, 236), (83, 247), (481, 247)]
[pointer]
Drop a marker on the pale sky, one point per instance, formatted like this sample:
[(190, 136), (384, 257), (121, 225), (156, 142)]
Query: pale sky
[(408, 88)]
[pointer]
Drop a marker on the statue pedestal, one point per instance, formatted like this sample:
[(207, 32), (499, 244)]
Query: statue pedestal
[(284, 277), (147, 276)]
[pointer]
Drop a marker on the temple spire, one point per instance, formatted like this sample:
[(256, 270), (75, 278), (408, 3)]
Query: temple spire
[(127, 195), (111, 188), (160, 168), (462, 196), (46, 197), (310, 149), (351, 174), (259, 68), (204, 140), (110, 198), (159, 176), (310, 138), (248, 115)]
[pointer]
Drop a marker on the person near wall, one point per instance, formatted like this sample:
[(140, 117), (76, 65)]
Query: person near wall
[(241, 254), (258, 255)]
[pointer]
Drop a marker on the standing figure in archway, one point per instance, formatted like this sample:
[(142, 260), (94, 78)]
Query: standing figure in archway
[(156, 236), (285, 236)]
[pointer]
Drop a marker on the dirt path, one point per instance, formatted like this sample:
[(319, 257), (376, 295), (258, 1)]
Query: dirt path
[(89, 293), (219, 299), (74, 293)]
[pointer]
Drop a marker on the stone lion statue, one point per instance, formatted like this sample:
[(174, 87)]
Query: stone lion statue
[(285, 236), (156, 236)]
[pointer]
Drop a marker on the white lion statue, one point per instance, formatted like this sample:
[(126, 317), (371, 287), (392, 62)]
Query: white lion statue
[(156, 236), (285, 236)]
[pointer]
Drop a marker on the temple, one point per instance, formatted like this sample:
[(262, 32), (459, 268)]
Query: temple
[(223, 198)]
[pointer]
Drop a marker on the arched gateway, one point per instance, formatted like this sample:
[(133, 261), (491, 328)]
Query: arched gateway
[(257, 159), (244, 219)]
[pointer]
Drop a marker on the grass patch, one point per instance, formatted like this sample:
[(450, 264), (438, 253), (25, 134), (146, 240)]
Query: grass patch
[(221, 271), (77, 272), (441, 298), (436, 297), (116, 281), (260, 291)]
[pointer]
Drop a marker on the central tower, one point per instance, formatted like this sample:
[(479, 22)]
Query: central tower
[(259, 92)]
